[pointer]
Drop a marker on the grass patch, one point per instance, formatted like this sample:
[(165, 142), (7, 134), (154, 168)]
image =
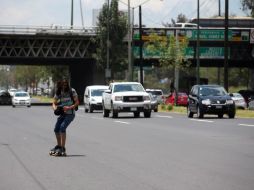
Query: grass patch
[(245, 113), (183, 110)]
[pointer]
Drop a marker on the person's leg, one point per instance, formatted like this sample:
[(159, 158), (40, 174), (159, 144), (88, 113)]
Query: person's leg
[(60, 119), (63, 139), (58, 138), (66, 122)]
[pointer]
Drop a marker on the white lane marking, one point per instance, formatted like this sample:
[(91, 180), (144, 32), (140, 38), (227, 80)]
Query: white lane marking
[(163, 116), (127, 123), (201, 120), (247, 125), (97, 118), (80, 115)]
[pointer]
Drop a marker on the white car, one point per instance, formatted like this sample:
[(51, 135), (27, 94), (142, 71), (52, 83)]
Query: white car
[(126, 97), (239, 100), (21, 99), (12, 91), (93, 97), (158, 93)]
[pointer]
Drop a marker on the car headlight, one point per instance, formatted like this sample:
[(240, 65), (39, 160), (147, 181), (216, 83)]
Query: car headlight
[(229, 102), (118, 98), (93, 100), (146, 98), (206, 102)]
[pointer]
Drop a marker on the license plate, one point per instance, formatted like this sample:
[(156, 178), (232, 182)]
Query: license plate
[(218, 107), (133, 109)]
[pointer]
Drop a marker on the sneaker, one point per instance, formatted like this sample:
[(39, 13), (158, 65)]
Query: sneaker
[(54, 150), (60, 152), (63, 151)]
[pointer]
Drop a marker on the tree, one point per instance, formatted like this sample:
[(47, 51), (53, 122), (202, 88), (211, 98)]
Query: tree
[(117, 31), (248, 5), (182, 18), (171, 52)]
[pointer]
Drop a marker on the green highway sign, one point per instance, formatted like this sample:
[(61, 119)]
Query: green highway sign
[(205, 53), (214, 35)]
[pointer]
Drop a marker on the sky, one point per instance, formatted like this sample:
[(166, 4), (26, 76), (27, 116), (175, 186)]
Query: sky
[(154, 12)]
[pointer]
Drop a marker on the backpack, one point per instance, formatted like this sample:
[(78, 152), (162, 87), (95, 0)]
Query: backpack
[(72, 98)]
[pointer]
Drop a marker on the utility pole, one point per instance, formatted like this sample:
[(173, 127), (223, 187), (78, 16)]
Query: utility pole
[(198, 45), (130, 78), (140, 46), (226, 47), (219, 69), (71, 14), (219, 8), (107, 71)]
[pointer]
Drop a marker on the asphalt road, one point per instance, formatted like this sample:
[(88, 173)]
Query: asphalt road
[(165, 152)]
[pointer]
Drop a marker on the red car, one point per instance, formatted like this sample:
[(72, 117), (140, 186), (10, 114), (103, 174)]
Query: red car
[(181, 101)]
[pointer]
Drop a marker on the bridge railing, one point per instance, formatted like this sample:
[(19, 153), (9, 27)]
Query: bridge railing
[(52, 30)]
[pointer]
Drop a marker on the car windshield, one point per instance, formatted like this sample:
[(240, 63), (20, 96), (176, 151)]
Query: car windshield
[(97, 92), (23, 94), (156, 92), (128, 87), (212, 91)]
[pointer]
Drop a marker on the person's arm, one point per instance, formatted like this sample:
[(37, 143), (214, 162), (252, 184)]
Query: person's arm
[(76, 102), (54, 104)]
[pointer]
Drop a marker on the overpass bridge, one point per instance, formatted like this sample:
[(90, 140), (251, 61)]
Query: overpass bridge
[(54, 45)]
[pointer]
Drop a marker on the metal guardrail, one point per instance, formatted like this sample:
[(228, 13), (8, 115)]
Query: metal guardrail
[(47, 30)]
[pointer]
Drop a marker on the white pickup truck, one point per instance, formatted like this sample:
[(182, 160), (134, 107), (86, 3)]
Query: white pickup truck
[(126, 97)]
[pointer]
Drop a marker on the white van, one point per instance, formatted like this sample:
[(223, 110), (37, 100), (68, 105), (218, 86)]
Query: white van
[(93, 97)]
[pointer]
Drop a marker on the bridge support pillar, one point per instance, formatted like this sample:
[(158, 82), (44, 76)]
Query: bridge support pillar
[(85, 74)]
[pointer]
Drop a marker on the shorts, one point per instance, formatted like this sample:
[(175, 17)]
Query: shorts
[(63, 121)]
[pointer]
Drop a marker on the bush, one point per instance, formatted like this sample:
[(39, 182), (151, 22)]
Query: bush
[(163, 106), (169, 107)]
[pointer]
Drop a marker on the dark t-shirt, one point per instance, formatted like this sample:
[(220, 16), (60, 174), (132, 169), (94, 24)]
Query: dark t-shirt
[(65, 99)]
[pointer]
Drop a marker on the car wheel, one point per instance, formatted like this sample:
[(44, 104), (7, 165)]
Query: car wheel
[(189, 113), (147, 114), (136, 114), (13, 106), (155, 110), (29, 106), (105, 112), (231, 115), (114, 112), (86, 110), (220, 115), (90, 109), (200, 114)]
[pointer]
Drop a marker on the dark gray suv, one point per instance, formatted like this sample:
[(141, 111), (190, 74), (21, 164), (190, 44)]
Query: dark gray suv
[(210, 99)]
